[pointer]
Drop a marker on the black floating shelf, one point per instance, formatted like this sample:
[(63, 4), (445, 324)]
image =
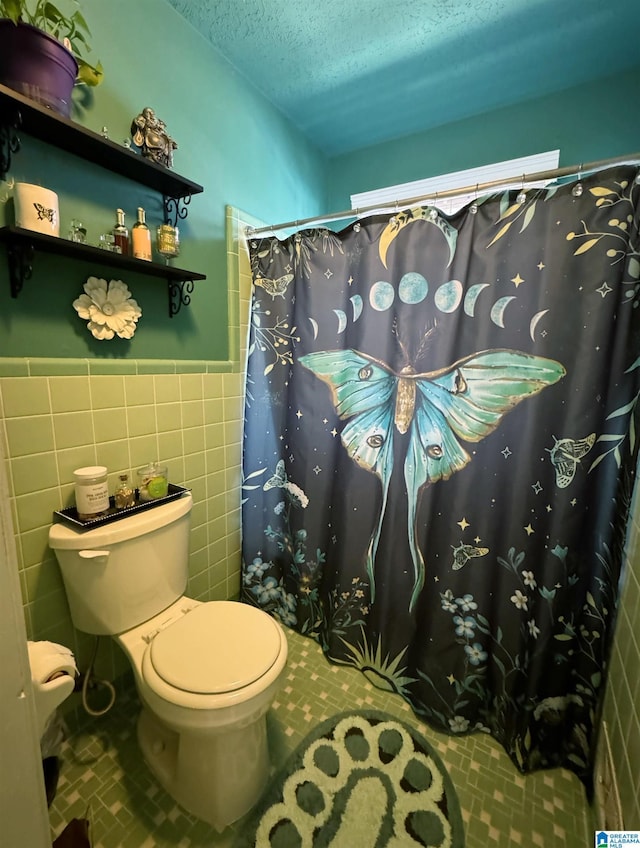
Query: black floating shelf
[(88, 253), (70, 514), (22, 245), (41, 123)]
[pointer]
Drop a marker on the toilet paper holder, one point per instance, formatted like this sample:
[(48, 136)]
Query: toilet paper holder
[(53, 672)]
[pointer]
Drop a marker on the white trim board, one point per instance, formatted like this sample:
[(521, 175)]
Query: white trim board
[(508, 169)]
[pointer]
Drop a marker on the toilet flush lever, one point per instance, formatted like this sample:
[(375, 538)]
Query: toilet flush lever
[(100, 556)]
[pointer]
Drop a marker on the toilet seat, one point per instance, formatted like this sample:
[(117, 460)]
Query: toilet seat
[(215, 648)]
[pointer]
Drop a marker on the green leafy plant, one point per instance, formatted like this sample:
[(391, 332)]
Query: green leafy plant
[(50, 19)]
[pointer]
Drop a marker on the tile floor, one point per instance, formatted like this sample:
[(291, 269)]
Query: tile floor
[(102, 771)]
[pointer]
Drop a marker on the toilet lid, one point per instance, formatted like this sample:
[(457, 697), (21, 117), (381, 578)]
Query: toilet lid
[(216, 647)]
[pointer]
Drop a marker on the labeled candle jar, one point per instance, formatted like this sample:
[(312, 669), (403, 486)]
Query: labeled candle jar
[(92, 491), (152, 482)]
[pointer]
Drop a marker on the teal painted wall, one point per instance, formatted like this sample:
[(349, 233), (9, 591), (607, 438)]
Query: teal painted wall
[(593, 122), (231, 141)]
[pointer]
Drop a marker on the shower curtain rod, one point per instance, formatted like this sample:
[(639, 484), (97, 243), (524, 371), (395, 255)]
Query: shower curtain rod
[(396, 205)]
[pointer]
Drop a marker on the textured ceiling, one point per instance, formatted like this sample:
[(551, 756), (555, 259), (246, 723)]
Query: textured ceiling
[(351, 73)]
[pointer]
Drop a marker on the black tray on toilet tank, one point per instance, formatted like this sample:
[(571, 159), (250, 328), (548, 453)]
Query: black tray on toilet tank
[(70, 514)]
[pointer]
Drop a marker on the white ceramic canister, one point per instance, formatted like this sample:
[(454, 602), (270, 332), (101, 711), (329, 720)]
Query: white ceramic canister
[(92, 491), (36, 208)]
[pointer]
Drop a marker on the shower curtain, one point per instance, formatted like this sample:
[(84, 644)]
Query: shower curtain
[(440, 448)]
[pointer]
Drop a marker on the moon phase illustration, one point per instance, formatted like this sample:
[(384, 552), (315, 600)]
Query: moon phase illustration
[(400, 220), (413, 288), (498, 308), (381, 295), (342, 320), (471, 296), (448, 296), (534, 323)]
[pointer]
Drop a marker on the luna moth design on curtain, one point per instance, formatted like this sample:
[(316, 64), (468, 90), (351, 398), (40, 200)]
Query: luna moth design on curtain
[(467, 401), (440, 448)]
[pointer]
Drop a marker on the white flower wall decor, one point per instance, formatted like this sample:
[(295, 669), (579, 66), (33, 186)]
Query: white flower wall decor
[(108, 308)]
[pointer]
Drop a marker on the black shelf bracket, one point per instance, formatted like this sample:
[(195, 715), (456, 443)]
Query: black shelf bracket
[(20, 259), (9, 139), (175, 209), (179, 295)]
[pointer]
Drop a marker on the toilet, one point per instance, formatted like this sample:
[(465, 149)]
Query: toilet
[(206, 672)]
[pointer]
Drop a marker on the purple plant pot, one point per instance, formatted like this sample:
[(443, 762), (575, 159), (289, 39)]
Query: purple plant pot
[(37, 65)]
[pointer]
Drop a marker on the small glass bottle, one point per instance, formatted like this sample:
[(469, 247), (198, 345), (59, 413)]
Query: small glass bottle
[(167, 241), (141, 238), (121, 233), (123, 496), (77, 231)]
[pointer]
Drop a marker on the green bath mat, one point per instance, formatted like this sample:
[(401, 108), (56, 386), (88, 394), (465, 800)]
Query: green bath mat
[(359, 780)]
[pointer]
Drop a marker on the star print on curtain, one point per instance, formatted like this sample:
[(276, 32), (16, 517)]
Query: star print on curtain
[(440, 450)]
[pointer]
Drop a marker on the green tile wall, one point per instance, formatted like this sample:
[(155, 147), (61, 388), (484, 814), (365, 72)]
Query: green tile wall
[(189, 414)]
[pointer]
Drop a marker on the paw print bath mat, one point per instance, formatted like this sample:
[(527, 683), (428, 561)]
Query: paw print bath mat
[(363, 780)]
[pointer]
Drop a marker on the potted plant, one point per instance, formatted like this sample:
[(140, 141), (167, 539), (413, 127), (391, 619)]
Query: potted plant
[(41, 51)]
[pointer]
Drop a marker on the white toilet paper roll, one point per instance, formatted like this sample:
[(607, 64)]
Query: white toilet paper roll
[(49, 660)]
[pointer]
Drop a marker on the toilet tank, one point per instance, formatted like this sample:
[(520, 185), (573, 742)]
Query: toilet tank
[(121, 574)]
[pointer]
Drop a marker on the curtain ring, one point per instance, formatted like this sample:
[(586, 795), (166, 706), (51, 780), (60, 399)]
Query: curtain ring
[(474, 206), (433, 212), (577, 189), (521, 197)]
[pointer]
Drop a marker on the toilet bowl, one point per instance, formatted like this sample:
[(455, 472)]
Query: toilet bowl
[(206, 672)]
